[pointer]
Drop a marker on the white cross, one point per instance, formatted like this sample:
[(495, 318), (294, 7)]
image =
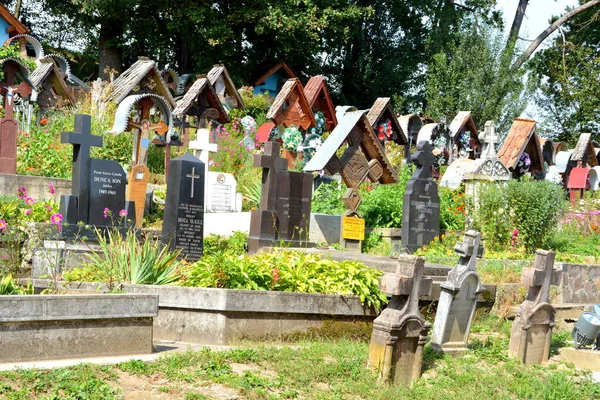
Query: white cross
[(489, 139), (203, 145), (193, 176)]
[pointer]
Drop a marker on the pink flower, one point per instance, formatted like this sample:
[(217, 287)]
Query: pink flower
[(51, 188), (46, 130), (29, 201), (275, 273), (3, 225), (123, 213), (28, 211), (515, 232), (106, 212), (48, 207), (56, 219), (22, 192)]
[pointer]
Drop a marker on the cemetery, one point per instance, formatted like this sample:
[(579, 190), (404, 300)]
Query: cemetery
[(199, 233)]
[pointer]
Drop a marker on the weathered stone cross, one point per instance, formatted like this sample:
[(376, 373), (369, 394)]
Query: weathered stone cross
[(424, 159), (541, 277), (270, 162), (489, 139), (82, 141), (469, 249)]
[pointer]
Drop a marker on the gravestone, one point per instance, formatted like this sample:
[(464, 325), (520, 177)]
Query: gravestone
[(400, 332), (183, 225), (458, 299), (421, 203), (285, 202), (532, 328), (222, 192), (95, 184), (139, 175)]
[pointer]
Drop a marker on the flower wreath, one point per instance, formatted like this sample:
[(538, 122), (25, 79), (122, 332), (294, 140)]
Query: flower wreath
[(524, 163), (384, 130), (320, 126), (249, 125), (310, 145), (439, 148), (274, 134), (292, 138)]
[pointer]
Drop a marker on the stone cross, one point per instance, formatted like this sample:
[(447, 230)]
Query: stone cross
[(82, 141), (400, 332), (489, 139), (203, 146), (271, 163), (532, 328), (424, 159), (458, 299)]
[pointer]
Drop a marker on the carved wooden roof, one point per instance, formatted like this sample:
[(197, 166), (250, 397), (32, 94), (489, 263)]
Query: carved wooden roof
[(20, 67), (282, 65), (354, 129), (144, 71), (318, 98), (201, 87), (230, 89), (291, 107), (584, 150), (463, 120), (522, 136), (15, 26), (47, 70), (380, 112)]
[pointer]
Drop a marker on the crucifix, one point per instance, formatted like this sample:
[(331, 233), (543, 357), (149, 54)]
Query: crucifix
[(193, 176), (424, 159), (144, 127), (82, 141)]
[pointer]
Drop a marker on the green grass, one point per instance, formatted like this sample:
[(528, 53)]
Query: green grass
[(318, 369)]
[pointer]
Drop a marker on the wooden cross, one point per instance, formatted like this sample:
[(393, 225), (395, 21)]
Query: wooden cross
[(270, 162), (489, 139), (424, 159), (193, 176), (82, 141), (541, 277)]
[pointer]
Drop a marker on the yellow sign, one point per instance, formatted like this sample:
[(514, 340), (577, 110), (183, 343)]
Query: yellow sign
[(353, 228)]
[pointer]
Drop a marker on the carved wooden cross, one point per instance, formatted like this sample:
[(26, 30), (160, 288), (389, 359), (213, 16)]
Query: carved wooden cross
[(144, 127), (270, 162), (82, 141), (541, 277), (424, 159)]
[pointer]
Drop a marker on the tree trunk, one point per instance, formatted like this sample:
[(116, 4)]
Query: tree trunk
[(542, 36), (517, 21), (110, 53)]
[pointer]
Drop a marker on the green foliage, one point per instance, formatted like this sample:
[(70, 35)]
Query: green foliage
[(381, 205), (123, 259), (257, 105), (327, 199), (473, 73), (519, 213), (452, 209), (287, 271), (235, 244), (9, 286), (252, 192), (13, 51)]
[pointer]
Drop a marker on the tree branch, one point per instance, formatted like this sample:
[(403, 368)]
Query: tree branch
[(542, 36)]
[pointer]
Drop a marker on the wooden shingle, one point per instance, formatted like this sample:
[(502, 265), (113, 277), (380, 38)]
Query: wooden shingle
[(584, 151), (200, 94), (219, 71), (290, 107), (318, 98), (382, 111), (521, 137)]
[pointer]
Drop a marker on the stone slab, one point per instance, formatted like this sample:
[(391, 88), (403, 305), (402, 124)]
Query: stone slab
[(583, 358), (37, 186), (50, 327)]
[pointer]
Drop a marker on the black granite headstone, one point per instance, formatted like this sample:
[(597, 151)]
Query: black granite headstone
[(183, 224), (96, 185), (294, 195), (107, 190), (421, 203)]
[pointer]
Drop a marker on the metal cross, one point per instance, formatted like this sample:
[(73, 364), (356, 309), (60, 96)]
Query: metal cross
[(193, 176)]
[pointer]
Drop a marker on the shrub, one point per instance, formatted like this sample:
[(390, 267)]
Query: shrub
[(452, 209), (123, 259), (234, 244), (9, 286), (381, 205), (327, 199), (288, 271)]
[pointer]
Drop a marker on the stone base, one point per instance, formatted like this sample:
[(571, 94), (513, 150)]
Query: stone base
[(451, 349), (256, 243), (583, 358)]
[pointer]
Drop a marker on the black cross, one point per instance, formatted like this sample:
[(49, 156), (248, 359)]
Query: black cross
[(82, 141), (270, 162), (424, 159)]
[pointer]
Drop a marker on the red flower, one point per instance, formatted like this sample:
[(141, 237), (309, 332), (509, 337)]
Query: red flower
[(381, 136), (44, 121)]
